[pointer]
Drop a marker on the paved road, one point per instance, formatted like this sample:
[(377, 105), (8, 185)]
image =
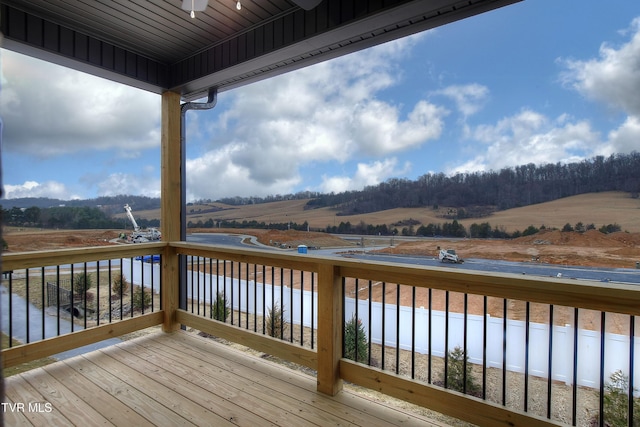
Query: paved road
[(622, 275)]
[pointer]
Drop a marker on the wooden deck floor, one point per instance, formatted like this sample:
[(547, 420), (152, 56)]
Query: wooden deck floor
[(183, 379)]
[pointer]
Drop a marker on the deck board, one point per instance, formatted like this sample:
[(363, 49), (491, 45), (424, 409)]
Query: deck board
[(183, 379)]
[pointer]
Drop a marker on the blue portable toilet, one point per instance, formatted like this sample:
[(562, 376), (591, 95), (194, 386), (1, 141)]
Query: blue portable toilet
[(302, 249)]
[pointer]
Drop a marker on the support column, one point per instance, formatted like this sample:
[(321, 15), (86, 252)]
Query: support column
[(170, 195), (330, 332)]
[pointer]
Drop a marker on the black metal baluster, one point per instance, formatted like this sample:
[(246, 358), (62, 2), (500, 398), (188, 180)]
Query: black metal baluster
[(97, 293), (632, 332), (131, 265), (397, 328), (290, 306), (84, 295), (199, 300), (313, 310), (430, 334), (370, 328), (484, 348), (504, 352), (122, 289), (246, 283), (526, 355), (11, 311), (575, 368), (218, 289), (142, 292), (446, 339), (151, 264), (193, 292), (550, 362), (264, 298), (42, 284), (10, 296), (72, 299), (57, 298), (302, 308), (212, 297), (384, 291), (602, 341), (110, 278), (27, 318)]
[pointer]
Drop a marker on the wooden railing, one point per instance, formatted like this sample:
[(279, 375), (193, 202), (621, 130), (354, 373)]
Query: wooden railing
[(35, 285), (488, 329)]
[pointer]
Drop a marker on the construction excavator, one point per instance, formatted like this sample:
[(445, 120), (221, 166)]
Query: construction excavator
[(139, 235)]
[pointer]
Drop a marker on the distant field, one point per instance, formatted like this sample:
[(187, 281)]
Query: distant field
[(594, 208)]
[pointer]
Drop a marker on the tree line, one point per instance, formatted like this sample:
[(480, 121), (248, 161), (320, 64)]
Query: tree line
[(109, 204), (505, 189), (455, 229), (210, 223), (69, 218)]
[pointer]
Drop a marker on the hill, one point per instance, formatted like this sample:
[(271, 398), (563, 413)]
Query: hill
[(483, 191), (593, 208)]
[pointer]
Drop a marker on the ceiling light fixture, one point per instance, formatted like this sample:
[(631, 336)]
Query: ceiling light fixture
[(193, 6)]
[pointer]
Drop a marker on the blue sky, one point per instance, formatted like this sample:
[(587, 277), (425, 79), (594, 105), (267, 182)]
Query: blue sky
[(541, 81)]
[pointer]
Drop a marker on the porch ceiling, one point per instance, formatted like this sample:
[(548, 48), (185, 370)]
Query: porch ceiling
[(156, 46)]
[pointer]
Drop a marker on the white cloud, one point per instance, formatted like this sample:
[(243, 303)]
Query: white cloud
[(329, 112), (214, 176), (143, 183), (49, 189), (625, 138), (530, 137), (366, 174), (469, 99), (377, 129), (613, 77), (48, 110)]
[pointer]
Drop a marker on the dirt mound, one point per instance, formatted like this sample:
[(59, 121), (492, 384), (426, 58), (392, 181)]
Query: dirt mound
[(293, 238), (37, 240), (591, 248), (590, 238), (631, 239)]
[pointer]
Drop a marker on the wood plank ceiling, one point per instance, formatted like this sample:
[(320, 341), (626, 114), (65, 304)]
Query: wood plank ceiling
[(155, 44)]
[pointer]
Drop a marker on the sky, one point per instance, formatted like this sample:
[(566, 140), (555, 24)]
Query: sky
[(541, 81)]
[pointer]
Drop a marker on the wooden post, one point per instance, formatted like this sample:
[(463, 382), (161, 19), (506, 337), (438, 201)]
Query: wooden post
[(170, 204), (329, 329)]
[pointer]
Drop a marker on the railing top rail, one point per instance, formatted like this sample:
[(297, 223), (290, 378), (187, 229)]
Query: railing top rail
[(252, 256), (18, 260)]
